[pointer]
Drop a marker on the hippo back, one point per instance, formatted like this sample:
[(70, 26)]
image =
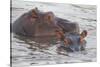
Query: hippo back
[(68, 26)]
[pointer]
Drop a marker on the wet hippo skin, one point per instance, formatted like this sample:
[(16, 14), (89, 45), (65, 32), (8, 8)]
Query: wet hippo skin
[(35, 23), (68, 26), (43, 27), (73, 42)]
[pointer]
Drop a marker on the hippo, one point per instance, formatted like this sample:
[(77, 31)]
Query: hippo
[(68, 26), (72, 42), (42, 25), (35, 23)]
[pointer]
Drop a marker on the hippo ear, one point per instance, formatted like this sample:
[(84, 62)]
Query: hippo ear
[(83, 35), (34, 13), (49, 16)]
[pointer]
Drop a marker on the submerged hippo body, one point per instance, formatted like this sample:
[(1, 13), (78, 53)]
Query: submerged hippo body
[(40, 26), (35, 23), (67, 26), (45, 25)]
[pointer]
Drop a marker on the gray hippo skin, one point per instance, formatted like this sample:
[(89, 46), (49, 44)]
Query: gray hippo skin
[(68, 26), (37, 23), (73, 42)]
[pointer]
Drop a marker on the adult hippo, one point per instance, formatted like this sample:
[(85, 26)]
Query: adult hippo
[(35, 23), (38, 25), (42, 25)]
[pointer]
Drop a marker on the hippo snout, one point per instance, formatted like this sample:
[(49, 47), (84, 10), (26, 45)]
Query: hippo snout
[(73, 48), (78, 47), (73, 42)]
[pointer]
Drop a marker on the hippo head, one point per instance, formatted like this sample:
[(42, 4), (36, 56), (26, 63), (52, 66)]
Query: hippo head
[(44, 23), (74, 42)]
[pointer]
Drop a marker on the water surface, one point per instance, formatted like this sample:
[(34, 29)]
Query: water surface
[(26, 52)]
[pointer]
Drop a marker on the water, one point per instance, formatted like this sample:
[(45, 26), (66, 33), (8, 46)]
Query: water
[(26, 52)]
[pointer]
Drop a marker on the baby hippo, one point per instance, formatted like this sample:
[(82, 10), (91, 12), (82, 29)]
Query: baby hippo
[(72, 42)]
